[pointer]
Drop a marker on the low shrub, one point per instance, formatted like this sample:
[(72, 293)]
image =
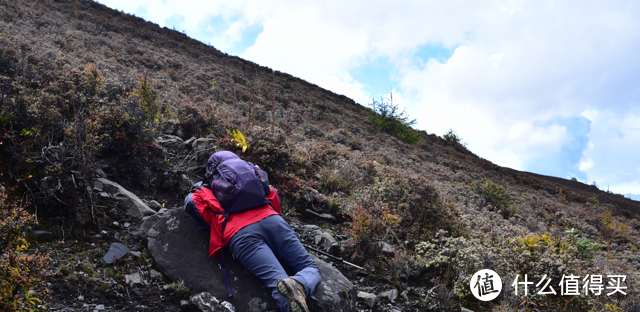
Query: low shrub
[(21, 271), (496, 195), (387, 116), (452, 136)]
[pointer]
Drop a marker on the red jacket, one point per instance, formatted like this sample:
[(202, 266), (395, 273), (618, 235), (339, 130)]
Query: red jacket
[(205, 200)]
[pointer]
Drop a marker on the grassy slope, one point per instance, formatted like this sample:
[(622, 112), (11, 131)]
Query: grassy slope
[(310, 138)]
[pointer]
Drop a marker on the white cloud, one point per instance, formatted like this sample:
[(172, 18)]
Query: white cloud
[(517, 66), (345, 86)]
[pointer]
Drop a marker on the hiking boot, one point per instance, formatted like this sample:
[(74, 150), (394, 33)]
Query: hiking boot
[(294, 291)]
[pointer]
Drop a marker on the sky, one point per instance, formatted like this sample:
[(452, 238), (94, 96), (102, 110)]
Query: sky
[(550, 87)]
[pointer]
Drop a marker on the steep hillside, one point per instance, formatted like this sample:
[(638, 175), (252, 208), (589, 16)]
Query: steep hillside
[(89, 91)]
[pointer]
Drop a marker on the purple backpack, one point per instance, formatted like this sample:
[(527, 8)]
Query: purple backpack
[(238, 185)]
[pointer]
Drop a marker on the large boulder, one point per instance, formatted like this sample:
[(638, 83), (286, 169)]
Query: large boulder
[(181, 251), (132, 203)]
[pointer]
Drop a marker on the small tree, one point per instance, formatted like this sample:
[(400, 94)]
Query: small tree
[(388, 117), (452, 136)]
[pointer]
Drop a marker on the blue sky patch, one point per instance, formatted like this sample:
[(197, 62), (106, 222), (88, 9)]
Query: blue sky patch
[(566, 162), (249, 36), (175, 22), (432, 51), (376, 76), (141, 12)]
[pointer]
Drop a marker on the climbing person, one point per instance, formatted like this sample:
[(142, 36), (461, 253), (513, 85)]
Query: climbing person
[(243, 212)]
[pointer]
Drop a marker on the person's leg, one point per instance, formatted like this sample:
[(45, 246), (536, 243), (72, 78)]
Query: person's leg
[(250, 248), (287, 248)]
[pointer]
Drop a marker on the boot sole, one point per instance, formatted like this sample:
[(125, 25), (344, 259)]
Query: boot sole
[(294, 304)]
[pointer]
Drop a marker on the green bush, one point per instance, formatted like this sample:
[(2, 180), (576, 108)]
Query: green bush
[(452, 136), (388, 117), (286, 85), (494, 194), (585, 245)]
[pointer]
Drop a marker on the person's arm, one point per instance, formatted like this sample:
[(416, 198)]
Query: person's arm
[(275, 201), (206, 202)]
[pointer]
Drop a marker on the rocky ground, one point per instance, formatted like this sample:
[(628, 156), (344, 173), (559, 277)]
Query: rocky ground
[(86, 278)]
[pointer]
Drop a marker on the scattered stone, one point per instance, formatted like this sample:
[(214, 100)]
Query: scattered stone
[(97, 186), (387, 249), (190, 141), (133, 204), (136, 292), (116, 223), (116, 251), (66, 249), (369, 299), (326, 242), (201, 144), (135, 278), (43, 235), (206, 302), (392, 295), (101, 173), (155, 205), (136, 254), (116, 236), (127, 225), (155, 274), (163, 210), (105, 195), (463, 309), (405, 295), (311, 227), (81, 298), (169, 247), (184, 303), (325, 216), (100, 307)]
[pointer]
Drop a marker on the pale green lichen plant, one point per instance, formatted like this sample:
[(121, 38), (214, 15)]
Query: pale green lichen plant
[(239, 138)]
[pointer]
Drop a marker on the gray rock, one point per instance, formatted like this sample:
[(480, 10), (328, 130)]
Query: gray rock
[(105, 195), (463, 309), (175, 234), (206, 302), (101, 173), (326, 242), (155, 205), (100, 307), (369, 299), (97, 186), (325, 216), (155, 274), (392, 295), (135, 279), (201, 144), (136, 254), (387, 249), (405, 295), (43, 235), (133, 204), (116, 251), (184, 303), (168, 138), (189, 142)]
